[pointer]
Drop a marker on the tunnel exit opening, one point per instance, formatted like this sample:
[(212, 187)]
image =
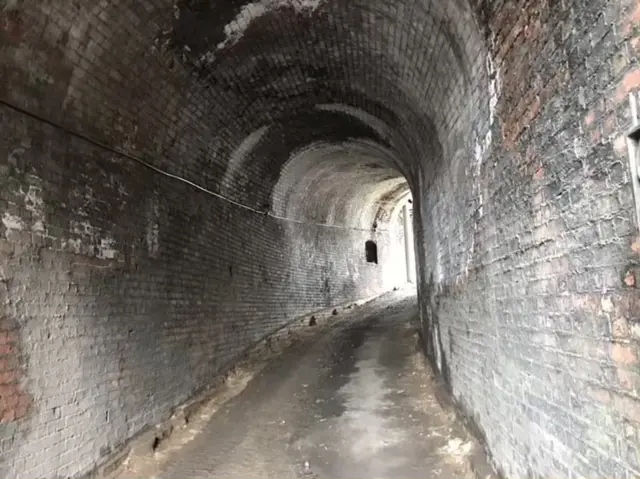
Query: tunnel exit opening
[(409, 245)]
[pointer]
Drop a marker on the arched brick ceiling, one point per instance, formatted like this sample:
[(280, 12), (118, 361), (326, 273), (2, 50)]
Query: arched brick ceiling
[(403, 65), (231, 92)]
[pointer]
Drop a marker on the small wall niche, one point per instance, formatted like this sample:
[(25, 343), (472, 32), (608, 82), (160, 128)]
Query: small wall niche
[(371, 251)]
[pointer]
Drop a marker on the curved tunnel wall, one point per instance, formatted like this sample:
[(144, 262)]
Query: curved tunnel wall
[(120, 280), (127, 291)]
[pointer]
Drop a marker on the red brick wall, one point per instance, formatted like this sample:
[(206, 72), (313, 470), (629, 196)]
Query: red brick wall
[(533, 296)]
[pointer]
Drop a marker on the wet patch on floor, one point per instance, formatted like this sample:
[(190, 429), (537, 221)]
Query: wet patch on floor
[(355, 399), (148, 453)]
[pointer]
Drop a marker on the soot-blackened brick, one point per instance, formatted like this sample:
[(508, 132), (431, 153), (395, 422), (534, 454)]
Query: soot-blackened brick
[(130, 289)]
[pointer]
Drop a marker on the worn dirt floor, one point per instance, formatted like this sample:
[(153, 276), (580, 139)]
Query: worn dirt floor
[(354, 399)]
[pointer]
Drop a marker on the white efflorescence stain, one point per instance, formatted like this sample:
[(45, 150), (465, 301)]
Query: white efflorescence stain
[(35, 205), (481, 151), (91, 241), (106, 249), (83, 241), (153, 227), (235, 29), (494, 88), (12, 222)]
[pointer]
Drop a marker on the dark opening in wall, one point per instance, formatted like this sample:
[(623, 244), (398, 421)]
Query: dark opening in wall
[(372, 252)]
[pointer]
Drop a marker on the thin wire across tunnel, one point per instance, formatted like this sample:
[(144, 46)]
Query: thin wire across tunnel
[(148, 165)]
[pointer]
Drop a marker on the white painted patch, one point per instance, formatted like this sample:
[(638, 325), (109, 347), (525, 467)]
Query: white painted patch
[(12, 222), (235, 29)]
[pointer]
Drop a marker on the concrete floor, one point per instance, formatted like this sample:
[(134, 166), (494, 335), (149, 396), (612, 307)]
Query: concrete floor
[(353, 400)]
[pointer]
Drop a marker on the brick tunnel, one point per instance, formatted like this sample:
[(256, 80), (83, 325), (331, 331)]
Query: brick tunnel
[(183, 180)]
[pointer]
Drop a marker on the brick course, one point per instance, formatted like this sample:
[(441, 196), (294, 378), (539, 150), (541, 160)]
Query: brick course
[(529, 297), (135, 291), (127, 290)]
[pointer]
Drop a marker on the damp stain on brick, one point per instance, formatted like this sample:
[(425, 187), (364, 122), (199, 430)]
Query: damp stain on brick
[(15, 402), (203, 29)]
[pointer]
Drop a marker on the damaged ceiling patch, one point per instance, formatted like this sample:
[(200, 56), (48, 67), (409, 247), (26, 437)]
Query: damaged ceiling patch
[(235, 29)]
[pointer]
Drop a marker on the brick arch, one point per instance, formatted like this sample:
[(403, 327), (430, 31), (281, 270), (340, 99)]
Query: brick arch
[(263, 125), (506, 119)]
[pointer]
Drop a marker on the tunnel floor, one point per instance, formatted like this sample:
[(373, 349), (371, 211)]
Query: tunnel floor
[(355, 400)]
